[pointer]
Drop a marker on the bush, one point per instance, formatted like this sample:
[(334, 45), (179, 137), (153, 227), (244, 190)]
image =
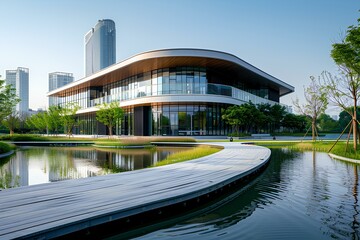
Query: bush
[(4, 147), (22, 137), (240, 134)]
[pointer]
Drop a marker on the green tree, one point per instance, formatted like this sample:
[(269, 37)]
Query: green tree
[(274, 115), (345, 118), (232, 116), (37, 121), (53, 119), (344, 89), (109, 114), (245, 116), (8, 100), (12, 121), (68, 117), (294, 123), (315, 103), (327, 124)]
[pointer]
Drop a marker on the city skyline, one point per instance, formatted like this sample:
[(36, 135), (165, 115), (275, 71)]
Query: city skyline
[(290, 41)]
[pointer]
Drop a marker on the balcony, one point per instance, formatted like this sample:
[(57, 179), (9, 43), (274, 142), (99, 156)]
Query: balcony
[(183, 89)]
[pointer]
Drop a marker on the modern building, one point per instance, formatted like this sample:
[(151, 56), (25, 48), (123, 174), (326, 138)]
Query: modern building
[(171, 92), (100, 46), (58, 79), (19, 79)]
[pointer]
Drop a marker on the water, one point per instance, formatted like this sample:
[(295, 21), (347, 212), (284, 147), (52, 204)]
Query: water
[(34, 165), (299, 196)]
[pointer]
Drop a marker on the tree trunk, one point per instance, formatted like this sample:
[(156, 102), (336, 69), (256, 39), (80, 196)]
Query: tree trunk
[(355, 125), (110, 130), (11, 131), (313, 130)]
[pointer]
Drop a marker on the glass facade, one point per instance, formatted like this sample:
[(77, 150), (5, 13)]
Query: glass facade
[(56, 80), (100, 46), (172, 118), (180, 80), (19, 78)]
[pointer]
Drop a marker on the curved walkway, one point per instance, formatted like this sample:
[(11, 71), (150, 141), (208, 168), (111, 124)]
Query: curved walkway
[(55, 209), (344, 158), (6, 154)]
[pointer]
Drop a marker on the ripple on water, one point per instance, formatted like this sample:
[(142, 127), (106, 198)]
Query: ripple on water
[(299, 196)]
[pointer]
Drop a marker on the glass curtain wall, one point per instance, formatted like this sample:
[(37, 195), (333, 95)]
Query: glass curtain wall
[(188, 119), (167, 120)]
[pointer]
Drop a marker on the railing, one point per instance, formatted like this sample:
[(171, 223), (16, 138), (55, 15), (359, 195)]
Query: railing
[(169, 89)]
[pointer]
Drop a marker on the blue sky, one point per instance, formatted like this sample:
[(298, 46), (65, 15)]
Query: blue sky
[(289, 39)]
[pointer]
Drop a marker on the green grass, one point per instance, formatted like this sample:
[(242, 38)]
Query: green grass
[(5, 147), (339, 149), (139, 141), (186, 155)]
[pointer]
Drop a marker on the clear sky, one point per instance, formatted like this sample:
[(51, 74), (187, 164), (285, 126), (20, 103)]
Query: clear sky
[(289, 39)]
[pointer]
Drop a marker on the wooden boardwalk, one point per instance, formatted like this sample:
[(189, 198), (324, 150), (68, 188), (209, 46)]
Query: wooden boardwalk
[(54, 209)]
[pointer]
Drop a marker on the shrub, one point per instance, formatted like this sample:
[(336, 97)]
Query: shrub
[(4, 147), (22, 137)]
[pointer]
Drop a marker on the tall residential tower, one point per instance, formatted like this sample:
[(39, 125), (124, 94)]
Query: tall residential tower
[(56, 80), (100, 46), (19, 78)]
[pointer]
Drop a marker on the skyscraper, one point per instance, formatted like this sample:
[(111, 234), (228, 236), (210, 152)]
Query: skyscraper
[(100, 46), (19, 78), (56, 80)]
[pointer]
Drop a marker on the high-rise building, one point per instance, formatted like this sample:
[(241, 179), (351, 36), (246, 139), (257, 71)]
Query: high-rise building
[(56, 80), (100, 46), (19, 78)]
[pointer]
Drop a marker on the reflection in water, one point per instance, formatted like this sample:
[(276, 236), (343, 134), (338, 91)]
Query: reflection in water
[(31, 165), (299, 196)]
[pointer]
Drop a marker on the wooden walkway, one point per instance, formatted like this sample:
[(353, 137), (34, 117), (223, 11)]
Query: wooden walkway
[(54, 209)]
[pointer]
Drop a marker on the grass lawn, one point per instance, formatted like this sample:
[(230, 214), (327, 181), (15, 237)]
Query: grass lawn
[(339, 149), (186, 155)]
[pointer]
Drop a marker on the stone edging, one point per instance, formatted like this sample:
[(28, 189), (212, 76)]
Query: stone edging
[(344, 158), (6, 154)]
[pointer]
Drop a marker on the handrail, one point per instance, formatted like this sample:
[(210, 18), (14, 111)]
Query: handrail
[(183, 88)]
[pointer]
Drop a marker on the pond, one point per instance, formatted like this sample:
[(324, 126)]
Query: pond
[(301, 195), (34, 165)]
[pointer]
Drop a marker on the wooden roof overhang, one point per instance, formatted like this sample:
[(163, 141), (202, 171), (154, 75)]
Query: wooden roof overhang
[(218, 61)]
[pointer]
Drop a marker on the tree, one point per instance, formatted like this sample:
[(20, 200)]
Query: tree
[(232, 116), (8, 100), (108, 114), (344, 89), (54, 119), (327, 124), (11, 122), (294, 123), (68, 117), (345, 118), (274, 115), (316, 103), (246, 116), (37, 121)]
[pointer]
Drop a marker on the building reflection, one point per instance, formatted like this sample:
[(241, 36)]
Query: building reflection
[(31, 166)]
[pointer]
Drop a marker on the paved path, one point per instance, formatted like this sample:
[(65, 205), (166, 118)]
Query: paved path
[(53, 209)]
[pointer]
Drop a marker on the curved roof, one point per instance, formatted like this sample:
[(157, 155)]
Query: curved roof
[(166, 58)]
